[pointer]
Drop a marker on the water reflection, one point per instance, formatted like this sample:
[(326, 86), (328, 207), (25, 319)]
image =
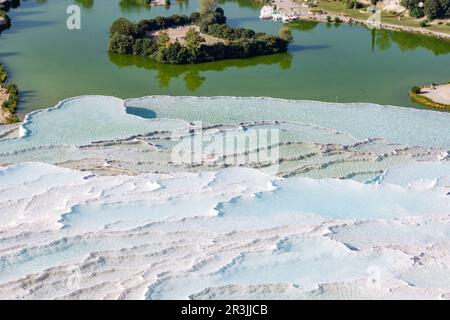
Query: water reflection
[(137, 5), (381, 39), (406, 41), (303, 25), (86, 4), (253, 4), (318, 56), (192, 74)]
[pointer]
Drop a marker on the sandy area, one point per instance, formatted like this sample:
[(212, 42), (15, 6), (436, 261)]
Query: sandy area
[(392, 6), (178, 34), (440, 93)]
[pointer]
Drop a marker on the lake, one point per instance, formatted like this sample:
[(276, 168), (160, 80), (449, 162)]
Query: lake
[(326, 63)]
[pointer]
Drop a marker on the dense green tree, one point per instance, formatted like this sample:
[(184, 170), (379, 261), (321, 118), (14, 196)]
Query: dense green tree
[(163, 39), (195, 17), (193, 38), (123, 26), (129, 38), (445, 5), (413, 6), (170, 53), (434, 9), (119, 43)]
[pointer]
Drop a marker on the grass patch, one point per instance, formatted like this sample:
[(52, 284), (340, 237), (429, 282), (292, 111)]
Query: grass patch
[(339, 7)]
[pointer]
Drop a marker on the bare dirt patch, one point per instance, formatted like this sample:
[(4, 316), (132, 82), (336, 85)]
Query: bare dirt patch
[(179, 34)]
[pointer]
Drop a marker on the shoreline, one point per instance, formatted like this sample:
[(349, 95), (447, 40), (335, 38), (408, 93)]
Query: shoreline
[(9, 97), (8, 91), (351, 104), (432, 96), (124, 101), (194, 39), (308, 14), (4, 115), (8, 106), (386, 26)]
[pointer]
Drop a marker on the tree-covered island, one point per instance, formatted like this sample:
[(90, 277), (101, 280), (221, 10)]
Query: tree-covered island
[(201, 37)]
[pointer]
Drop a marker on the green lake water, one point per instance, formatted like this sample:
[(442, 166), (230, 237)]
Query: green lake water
[(326, 63)]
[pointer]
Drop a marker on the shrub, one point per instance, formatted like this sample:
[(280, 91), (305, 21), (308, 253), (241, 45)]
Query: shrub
[(224, 31), (3, 74), (6, 21), (416, 12), (144, 47), (210, 18), (11, 104), (122, 44), (242, 42), (163, 39), (432, 8), (195, 17), (414, 9), (354, 4), (122, 26), (193, 38), (416, 90)]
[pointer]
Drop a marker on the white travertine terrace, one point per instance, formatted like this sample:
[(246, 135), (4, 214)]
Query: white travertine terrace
[(92, 205)]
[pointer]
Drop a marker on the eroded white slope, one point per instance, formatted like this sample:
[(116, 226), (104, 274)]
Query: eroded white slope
[(116, 218), (227, 234)]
